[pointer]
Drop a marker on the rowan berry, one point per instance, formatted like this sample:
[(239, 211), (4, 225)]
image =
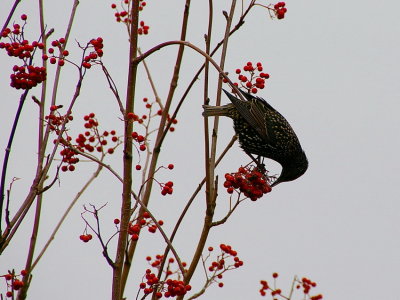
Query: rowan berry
[(8, 276)]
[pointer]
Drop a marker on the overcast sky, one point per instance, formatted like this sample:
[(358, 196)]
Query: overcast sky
[(334, 69)]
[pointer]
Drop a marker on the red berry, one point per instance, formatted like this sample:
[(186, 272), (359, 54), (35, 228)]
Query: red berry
[(275, 275), (8, 276), (170, 166), (138, 167), (24, 17), (116, 221)]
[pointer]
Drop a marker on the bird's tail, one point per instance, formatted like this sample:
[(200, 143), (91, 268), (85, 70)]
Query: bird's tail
[(222, 110)]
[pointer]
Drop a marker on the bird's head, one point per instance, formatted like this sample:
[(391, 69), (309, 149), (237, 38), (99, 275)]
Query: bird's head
[(292, 169)]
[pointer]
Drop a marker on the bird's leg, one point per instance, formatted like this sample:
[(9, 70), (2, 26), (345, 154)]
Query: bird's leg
[(252, 157), (258, 162)]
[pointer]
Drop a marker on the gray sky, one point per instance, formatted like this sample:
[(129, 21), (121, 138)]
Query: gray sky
[(334, 76)]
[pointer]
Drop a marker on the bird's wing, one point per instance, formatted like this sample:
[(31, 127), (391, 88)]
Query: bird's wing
[(254, 113)]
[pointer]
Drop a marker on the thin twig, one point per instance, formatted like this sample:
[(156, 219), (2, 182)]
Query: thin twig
[(67, 211)]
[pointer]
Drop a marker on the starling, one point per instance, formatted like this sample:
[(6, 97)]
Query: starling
[(264, 132)]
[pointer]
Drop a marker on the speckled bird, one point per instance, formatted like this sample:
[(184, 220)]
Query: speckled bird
[(264, 132)]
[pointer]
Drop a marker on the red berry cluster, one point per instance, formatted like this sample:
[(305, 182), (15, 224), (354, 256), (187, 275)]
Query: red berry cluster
[(142, 4), (167, 288), (69, 158), (141, 142), (265, 287), (151, 282), (21, 79), (219, 265), (157, 262), (97, 46), (249, 181), (305, 283), (143, 29), (25, 76), (280, 10), (166, 188), (85, 237), (255, 79), (13, 283), (92, 139), (18, 47), (176, 288), (170, 287), (16, 31), (146, 221), (123, 15), (169, 119), (59, 58), (149, 106), (55, 119)]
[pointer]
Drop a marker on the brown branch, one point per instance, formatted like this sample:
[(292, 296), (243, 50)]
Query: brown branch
[(159, 138), (118, 283), (212, 195)]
